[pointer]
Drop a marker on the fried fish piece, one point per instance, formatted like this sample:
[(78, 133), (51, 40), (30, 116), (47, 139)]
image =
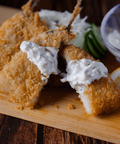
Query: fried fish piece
[(22, 26), (54, 38), (101, 96), (21, 79)]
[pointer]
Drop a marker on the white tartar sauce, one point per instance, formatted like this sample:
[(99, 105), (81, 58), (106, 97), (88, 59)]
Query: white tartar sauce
[(84, 72), (114, 38), (44, 57)]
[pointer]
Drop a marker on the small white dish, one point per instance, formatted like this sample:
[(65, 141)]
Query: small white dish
[(110, 22)]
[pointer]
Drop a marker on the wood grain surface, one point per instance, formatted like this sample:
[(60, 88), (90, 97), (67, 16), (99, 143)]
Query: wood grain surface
[(6, 13), (13, 130), (104, 127)]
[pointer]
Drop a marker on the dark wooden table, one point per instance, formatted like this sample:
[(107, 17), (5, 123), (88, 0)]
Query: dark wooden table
[(17, 131)]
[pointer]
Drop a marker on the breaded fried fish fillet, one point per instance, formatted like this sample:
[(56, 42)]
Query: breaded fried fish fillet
[(21, 79), (102, 94)]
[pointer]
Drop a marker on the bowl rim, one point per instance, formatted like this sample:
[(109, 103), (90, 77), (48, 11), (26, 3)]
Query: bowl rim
[(102, 28)]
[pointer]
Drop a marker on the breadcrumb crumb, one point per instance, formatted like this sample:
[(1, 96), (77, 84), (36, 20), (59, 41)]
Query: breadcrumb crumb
[(71, 107), (20, 108), (55, 106)]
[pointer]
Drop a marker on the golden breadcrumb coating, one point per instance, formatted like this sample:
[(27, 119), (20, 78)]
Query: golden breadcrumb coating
[(22, 26), (103, 95), (70, 52), (21, 80), (76, 11), (53, 38)]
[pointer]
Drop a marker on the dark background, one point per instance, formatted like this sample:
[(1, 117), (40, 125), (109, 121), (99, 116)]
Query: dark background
[(94, 9)]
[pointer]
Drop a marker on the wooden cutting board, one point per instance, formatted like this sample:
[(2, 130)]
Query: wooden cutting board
[(105, 127)]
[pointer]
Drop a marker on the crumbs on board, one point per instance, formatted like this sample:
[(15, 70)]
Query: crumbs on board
[(20, 108), (55, 106), (71, 107)]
